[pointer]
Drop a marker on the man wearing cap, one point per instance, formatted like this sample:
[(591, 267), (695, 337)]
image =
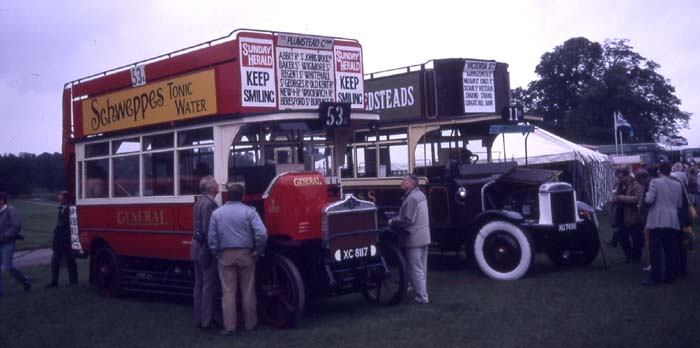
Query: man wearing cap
[(61, 245), (413, 217)]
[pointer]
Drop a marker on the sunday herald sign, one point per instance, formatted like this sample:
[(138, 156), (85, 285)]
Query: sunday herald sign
[(299, 72)]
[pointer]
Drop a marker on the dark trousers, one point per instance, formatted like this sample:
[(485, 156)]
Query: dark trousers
[(664, 243), (206, 284), (60, 251), (633, 250), (682, 256)]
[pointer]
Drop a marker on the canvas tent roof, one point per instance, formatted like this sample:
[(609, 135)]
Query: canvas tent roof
[(594, 178), (543, 147)]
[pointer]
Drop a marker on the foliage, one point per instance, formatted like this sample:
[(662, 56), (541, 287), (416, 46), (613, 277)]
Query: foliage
[(582, 83), (23, 174)]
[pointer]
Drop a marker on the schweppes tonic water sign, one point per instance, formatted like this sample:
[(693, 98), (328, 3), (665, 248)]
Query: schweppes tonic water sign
[(184, 97)]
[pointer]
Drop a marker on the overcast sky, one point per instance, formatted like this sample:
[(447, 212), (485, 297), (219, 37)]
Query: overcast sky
[(48, 43)]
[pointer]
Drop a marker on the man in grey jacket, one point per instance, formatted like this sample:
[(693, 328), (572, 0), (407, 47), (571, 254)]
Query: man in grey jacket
[(664, 198), (206, 278), (413, 217), (10, 226), (237, 237)]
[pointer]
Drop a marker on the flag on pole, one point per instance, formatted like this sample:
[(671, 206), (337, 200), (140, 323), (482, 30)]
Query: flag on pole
[(620, 121)]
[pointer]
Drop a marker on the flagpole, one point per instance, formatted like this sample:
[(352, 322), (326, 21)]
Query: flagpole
[(615, 131)]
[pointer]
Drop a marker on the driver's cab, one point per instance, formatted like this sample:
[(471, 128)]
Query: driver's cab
[(261, 151)]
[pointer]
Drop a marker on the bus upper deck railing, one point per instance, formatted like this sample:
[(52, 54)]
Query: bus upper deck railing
[(189, 49)]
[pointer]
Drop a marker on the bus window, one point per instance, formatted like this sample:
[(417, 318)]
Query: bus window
[(346, 171), (322, 157), (97, 150), (96, 177), (367, 161), (158, 174), (125, 169), (397, 160), (195, 137), (193, 164), (80, 180), (158, 141), (195, 158), (126, 176), (124, 146)]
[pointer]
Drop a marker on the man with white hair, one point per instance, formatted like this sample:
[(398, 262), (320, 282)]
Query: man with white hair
[(206, 278), (413, 217), (678, 173)]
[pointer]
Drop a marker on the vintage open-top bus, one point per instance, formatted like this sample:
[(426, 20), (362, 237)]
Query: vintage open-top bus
[(274, 111), (440, 120)]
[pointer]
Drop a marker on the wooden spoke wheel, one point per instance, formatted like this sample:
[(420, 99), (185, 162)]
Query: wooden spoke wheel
[(280, 291), (106, 273), (390, 287)]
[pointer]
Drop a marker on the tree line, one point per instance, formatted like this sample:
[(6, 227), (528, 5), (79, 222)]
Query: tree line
[(27, 173), (582, 83)]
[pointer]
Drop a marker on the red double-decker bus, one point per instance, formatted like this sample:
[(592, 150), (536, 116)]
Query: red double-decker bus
[(274, 111)]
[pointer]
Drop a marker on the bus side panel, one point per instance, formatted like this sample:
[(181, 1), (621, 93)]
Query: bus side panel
[(228, 93), (150, 231), (77, 119)]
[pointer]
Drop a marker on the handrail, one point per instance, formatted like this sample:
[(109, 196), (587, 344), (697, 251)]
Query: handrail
[(183, 50)]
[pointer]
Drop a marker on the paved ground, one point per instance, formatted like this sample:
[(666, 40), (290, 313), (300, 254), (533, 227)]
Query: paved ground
[(32, 257)]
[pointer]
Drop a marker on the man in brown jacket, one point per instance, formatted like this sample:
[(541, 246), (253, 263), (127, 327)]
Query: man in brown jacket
[(632, 224)]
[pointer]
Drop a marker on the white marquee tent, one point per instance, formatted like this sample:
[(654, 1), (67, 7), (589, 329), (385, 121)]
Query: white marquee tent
[(592, 171)]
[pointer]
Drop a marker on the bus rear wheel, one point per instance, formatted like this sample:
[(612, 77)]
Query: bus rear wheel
[(106, 273)]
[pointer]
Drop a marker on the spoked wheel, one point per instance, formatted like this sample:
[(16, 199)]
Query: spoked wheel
[(503, 251), (106, 273), (388, 288), (580, 251), (280, 291)]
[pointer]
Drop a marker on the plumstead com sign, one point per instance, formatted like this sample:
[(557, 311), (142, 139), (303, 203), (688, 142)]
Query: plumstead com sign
[(180, 98), (299, 72)]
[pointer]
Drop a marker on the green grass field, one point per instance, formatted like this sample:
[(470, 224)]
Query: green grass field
[(550, 307), (38, 220)]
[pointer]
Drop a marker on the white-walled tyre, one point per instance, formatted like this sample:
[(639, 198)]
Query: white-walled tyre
[(503, 251)]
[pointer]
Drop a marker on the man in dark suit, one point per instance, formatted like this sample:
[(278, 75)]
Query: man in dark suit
[(62, 244), (206, 277)]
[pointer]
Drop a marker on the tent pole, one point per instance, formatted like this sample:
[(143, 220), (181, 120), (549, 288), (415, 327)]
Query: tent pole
[(526, 136), (505, 155)]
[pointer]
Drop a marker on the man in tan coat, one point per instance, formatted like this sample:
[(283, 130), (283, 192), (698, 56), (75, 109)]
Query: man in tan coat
[(413, 217)]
